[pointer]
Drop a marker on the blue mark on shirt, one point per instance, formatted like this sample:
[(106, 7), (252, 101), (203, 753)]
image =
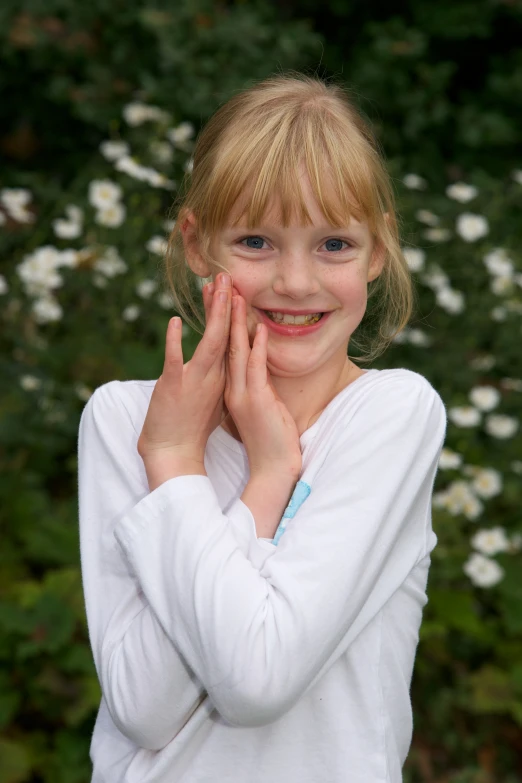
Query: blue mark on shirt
[(299, 495)]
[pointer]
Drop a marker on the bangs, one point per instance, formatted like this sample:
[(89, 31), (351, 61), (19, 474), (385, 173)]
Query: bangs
[(260, 170)]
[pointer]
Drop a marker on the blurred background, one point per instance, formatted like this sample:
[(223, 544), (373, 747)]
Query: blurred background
[(101, 104)]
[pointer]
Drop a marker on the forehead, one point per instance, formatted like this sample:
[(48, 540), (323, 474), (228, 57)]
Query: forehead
[(274, 211)]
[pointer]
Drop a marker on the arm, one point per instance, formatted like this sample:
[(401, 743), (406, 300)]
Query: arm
[(259, 639), (149, 688)]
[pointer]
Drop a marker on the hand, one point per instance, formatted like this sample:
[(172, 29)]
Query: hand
[(267, 429), (187, 402)]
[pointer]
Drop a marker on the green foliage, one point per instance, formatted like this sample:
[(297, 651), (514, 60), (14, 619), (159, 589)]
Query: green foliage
[(98, 313)]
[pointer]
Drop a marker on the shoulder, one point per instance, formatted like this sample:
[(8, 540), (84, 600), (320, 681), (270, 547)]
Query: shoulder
[(115, 401), (389, 387), (395, 398)]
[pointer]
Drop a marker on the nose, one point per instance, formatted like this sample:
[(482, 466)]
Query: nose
[(296, 277)]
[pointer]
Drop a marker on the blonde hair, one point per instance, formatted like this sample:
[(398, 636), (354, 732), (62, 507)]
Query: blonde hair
[(257, 141)]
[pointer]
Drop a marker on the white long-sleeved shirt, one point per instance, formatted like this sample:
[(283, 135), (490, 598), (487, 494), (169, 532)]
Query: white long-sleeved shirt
[(226, 658)]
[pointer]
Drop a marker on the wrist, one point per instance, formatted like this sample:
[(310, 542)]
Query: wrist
[(160, 470), (267, 496)]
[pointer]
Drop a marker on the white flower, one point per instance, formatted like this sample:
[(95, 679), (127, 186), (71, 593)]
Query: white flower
[(498, 262), (20, 214), (183, 132), (501, 426), (162, 151), (483, 571), (501, 285), (491, 542), (516, 466), (83, 392), (515, 543), (414, 182), (450, 300), (498, 313), (158, 245), (435, 278), (517, 175), (418, 337), (130, 166), (99, 281), (437, 234), (11, 198), (487, 482), (425, 216), (512, 384), (112, 150), (103, 193), (112, 216), (145, 288), (143, 173), (66, 229), (513, 306), (131, 313), (459, 498), (485, 398), (414, 258), (471, 227), (189, 165), (485, 362), (459, 191), (165, 300), (137, 113), (464, 416), (449, 460), (38, 270), (168, 225), (110, 263), (30, 382), (47, 310), (517, 278), (4, 288)]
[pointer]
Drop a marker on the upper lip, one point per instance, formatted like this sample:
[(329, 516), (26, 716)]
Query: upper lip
[(292, 312)]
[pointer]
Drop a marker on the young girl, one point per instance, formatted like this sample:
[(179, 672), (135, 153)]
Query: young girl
[(256, 524)]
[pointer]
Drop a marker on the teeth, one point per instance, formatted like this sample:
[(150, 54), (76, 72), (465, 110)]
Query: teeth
[(285, 318)]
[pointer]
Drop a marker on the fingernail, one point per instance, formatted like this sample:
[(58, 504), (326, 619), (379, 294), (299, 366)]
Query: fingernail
[(226, 279), (211, 288), (223, 296)]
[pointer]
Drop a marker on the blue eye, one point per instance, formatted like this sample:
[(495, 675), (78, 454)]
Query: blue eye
[(259, 239), (255, 239), (342, 241)]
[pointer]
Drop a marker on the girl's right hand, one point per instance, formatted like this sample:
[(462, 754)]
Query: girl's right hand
[(267, 429)]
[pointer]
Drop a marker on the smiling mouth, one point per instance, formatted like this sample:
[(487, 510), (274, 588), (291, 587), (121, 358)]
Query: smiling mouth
[(293, 320)]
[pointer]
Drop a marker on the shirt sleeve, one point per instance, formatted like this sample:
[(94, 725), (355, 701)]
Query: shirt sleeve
[(259, 639), (149, 687)]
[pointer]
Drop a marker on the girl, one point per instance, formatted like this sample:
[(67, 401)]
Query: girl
[(256, 524)]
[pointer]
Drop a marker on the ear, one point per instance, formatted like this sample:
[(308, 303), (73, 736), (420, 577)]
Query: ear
[(191, 246), (376, 264)]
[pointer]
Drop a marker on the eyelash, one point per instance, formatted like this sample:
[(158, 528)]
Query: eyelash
[(256, 236)]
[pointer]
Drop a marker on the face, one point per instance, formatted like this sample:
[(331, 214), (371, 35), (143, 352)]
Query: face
[(315, 268)]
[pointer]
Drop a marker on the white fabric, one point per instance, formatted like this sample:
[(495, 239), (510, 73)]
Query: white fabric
[(305, 649)]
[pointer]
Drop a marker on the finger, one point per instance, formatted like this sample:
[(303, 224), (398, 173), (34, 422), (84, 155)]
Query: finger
[(239, 348), (212, 345), (173, 365), (257, 372), (207, 292)]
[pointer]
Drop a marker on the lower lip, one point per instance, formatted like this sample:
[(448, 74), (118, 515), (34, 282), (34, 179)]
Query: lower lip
[(292, 331)]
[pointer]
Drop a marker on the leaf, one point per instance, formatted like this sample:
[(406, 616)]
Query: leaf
[(15, 762)]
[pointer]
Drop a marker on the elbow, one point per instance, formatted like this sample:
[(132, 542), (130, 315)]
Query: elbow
[(141, 720), (250, 710), (140, 729)]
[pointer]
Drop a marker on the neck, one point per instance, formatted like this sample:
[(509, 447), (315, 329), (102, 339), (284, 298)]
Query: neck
[(307, 398)]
